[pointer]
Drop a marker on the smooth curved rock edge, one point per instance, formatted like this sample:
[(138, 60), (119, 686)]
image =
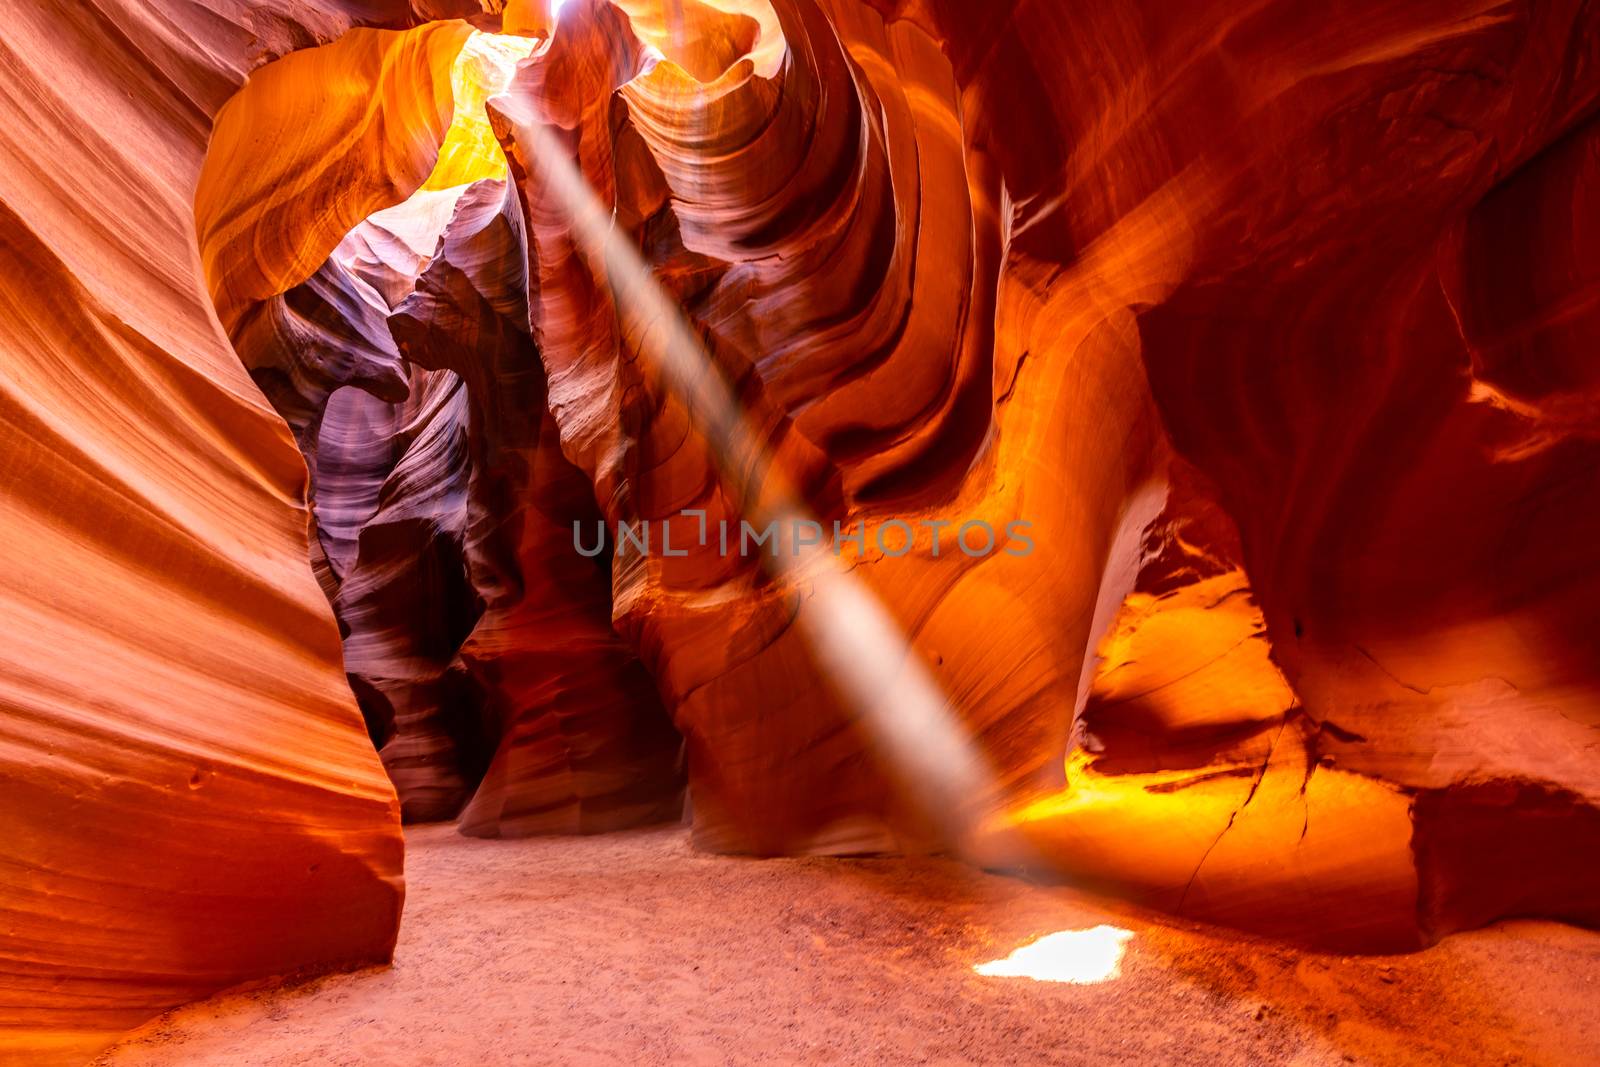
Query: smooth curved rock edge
[(1273, 326), (190, 800)]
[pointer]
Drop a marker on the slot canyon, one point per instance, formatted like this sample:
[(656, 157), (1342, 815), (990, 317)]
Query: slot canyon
[(799, 531)]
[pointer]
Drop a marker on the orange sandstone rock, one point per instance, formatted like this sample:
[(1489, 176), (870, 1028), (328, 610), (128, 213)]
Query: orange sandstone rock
[(1239, 294), (1272, 326), (190, 800)]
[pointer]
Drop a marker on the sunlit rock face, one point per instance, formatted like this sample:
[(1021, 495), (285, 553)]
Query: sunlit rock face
[(189, 799), (1273, 328), (1303, 229), (769, 203), (1207, 299)]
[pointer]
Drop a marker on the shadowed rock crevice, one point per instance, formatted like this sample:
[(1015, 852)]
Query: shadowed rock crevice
[(478, 643)]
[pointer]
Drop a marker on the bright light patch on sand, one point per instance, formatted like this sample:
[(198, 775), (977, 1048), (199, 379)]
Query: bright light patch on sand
[(1081, 957)]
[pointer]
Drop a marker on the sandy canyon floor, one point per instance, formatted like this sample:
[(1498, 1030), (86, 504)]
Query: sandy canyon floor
[(633, 948)]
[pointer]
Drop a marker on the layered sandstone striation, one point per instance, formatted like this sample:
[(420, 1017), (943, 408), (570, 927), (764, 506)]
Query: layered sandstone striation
[(479, 646), (1271, 325), (190, 800), (1210, 333)]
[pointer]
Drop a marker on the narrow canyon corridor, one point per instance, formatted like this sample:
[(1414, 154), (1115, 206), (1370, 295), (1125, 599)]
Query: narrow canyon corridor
[(636, 948), (817, 531)]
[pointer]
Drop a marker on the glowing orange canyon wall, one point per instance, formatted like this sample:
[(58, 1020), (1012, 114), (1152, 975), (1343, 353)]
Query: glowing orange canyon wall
[(1271, 322), (187, 796)]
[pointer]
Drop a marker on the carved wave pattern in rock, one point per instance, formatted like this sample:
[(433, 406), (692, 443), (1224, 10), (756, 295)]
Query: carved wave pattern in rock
[(1273, 329)]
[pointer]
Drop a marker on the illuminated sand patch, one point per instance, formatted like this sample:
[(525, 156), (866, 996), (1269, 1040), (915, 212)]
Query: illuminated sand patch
[(1078, 957)]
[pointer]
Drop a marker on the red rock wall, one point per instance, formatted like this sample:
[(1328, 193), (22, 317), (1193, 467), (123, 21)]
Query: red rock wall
[(190, 800), (1272, 323), (479, 645), (1325, 188), (1185, 290)]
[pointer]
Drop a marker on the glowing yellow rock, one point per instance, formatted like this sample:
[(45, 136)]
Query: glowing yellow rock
[(483, 69)]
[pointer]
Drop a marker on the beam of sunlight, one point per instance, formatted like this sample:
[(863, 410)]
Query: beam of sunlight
[(856, 642), (1078, 957)]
